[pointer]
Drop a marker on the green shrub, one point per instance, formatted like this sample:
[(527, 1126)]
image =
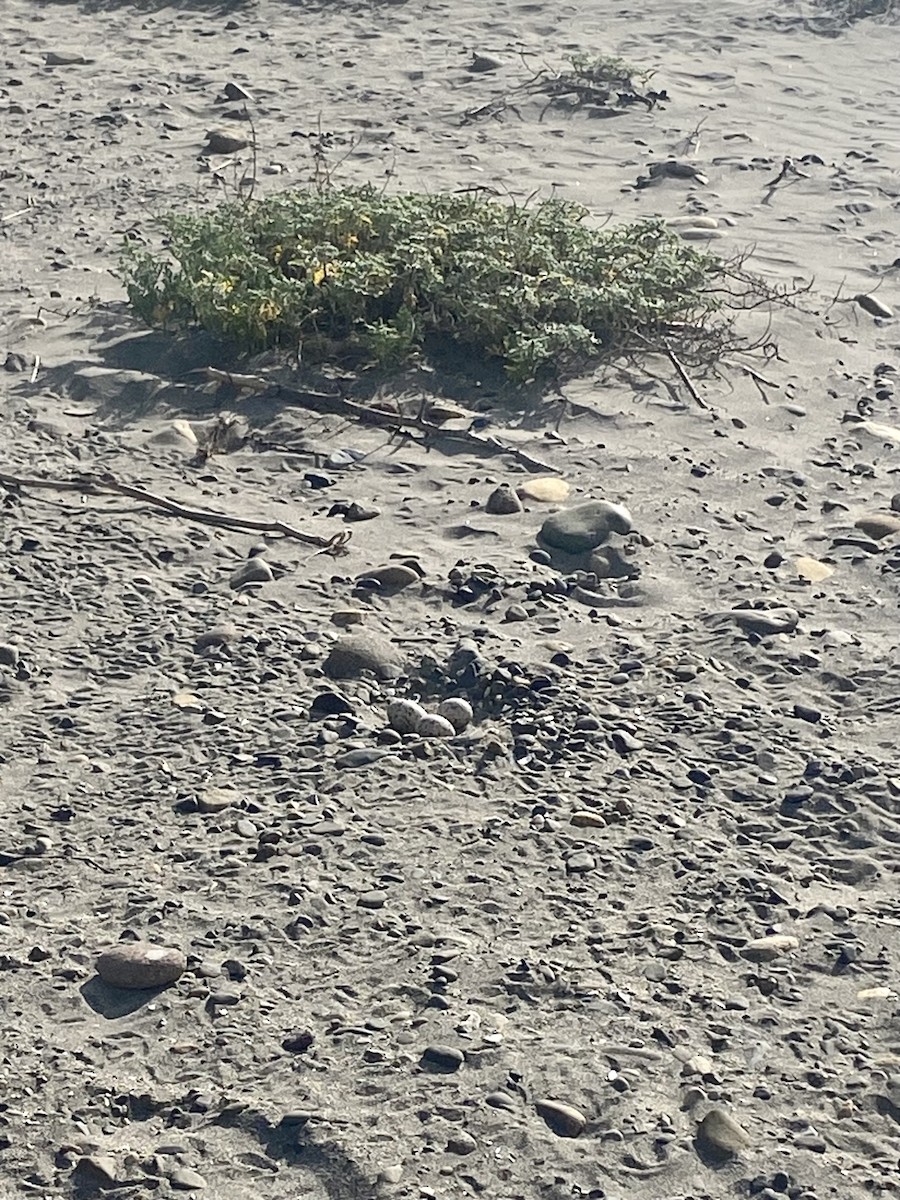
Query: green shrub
[(353, 272)]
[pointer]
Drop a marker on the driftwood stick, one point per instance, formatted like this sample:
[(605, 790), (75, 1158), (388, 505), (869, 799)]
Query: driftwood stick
[(98, 485), (684, 377)]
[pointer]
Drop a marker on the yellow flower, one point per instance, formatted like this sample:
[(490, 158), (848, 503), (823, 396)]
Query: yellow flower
[(323, 271), (351, 240), (269, 310)]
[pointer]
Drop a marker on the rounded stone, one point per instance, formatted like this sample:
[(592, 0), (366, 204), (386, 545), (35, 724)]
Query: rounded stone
[(433, 726), (765, 949), (405, 715), (186, 1180), (139, 965), (442, 1058), (581, 529), (548, 489), (563, 1119), (457, 711), (360, 652), (720, 1132), (879, 525), (254, 570), (391, 578), (503, 501)]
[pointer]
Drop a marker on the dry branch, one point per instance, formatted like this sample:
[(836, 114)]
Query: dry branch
[(105, 484)]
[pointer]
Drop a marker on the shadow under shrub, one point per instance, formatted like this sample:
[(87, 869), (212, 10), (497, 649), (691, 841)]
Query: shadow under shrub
[(353, 274)]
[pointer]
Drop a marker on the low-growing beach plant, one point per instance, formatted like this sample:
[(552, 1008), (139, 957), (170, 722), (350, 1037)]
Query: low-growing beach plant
[(355, 274)]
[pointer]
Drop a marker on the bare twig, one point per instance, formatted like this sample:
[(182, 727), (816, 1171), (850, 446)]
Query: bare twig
[(98, 485), (683, 376)]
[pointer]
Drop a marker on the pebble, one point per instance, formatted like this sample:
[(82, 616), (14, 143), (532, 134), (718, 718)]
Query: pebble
[(766, 621), (140, 965), (442, 1058), (879, 525), (362, 757), (186, 1180), (811, 569), (254, 570), (580, 863), (516, 612), (461, 1143), (346, 617), (298, 1042), (563, 1119), (218, 141), (503, 501), (547, 489), (434, 726), (873, 306), (9, 655), (581, 529), (765, 949), (719, 1132), (391, 578), (216, 800), (98, 1171), (404, 715), (218, 635), (457, 711), (391, 1174), (359, 652), (585, 819)]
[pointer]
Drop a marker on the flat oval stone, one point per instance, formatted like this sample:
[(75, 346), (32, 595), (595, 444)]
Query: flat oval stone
[(581, 529), (548, 489), (879, 525), (139, 965), (360, 652), (563, 1119), (393, 577), (765, 949), (442, 1058)]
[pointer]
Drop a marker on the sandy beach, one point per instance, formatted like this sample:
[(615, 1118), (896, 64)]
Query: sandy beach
[(631, 927)]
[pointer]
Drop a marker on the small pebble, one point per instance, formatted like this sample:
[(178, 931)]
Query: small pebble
[(186, 1180), (254, 570)]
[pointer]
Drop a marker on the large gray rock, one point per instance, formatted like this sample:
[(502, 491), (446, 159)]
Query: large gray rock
[(581, 529), (140, 965)]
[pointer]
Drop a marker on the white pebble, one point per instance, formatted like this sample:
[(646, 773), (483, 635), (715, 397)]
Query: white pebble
[(457, 712), (405, 715), (433, 726)]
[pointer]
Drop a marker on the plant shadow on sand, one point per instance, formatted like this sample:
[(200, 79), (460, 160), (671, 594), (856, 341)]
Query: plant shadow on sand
[(132, 373)]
